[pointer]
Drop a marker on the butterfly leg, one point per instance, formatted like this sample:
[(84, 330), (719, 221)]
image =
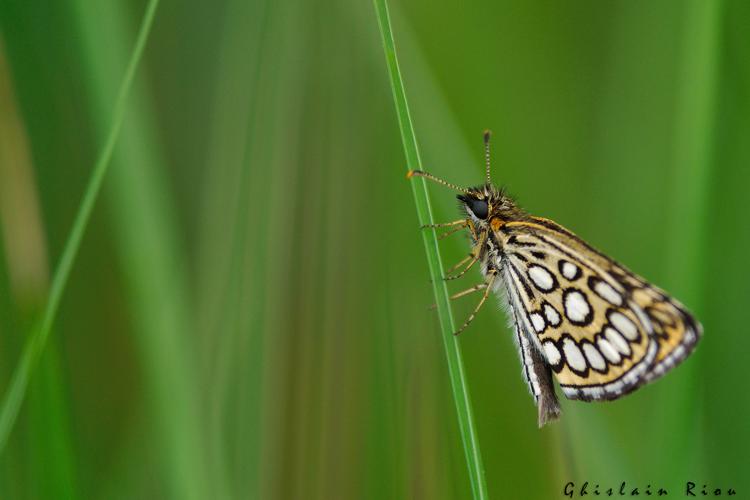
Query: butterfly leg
[(474, 258), (450, 232), (455, 226), (487, 290), (475, 288), (461, 263)]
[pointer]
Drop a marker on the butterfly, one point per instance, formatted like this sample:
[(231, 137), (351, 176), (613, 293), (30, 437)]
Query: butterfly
[(600, 329)]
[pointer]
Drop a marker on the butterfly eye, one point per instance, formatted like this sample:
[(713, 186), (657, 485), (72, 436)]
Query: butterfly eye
[(477, 207)]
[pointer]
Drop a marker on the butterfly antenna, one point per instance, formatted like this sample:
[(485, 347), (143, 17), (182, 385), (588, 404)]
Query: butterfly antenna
[(426, 175), (487, 134)]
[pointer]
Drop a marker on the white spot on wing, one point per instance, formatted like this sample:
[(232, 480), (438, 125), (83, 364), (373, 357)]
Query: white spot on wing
[(538, 321), (605, 291), (624, 325), (615, 387), (576, 306), (642, 317), (570, 392), (552, 315), (595, 392), (608, 350), (617, 341), (542, 278), (631, 379), (594, 357), (569, 270), (573, 355), (551, 351)]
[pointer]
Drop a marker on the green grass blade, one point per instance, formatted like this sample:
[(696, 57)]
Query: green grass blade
[(151, 252), (696, 116), (39, 335), (424, 214)]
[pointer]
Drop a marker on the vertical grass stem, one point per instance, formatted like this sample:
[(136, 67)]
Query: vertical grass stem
[(424, 214)]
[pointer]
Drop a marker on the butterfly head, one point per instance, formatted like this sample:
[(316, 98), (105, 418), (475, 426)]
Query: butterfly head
[(486, 206)]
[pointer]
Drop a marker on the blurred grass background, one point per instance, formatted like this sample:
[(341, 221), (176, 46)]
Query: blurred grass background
[(247, 316)]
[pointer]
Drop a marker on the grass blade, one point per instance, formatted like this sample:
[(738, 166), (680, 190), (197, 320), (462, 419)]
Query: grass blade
[(696, 117), (38, 337), (424, 214), (152, 256)]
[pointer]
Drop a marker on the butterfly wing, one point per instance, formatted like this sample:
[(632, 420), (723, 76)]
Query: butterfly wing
[(536, 371), (603, 330)]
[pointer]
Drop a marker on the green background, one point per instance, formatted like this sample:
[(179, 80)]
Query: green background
[(247, 317)]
